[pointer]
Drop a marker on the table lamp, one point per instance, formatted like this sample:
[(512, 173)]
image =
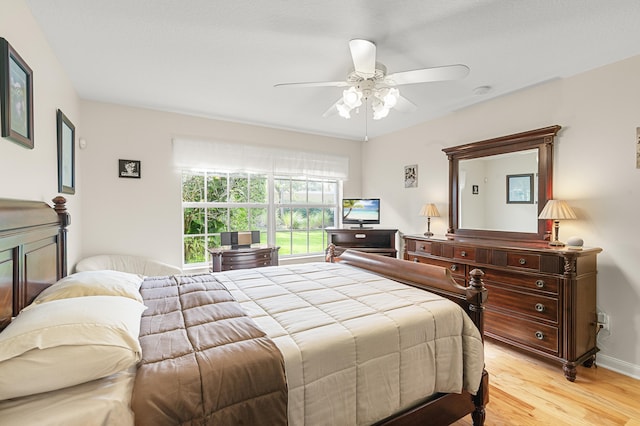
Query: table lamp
[(429, 210), (557, 210)]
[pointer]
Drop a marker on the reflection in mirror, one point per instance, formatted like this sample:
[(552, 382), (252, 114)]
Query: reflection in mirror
[(481, 205), (483, 193)]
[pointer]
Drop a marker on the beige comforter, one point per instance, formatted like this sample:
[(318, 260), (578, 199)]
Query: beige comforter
[(358, 347), (205, 362)]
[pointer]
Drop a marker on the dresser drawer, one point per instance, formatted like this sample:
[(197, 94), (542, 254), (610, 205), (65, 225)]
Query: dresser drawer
[(423, 247), (520, 260), (246, 264), (533, 334), (455, 268), (532, 305), (542, 283), (464, 253), (256, 257)]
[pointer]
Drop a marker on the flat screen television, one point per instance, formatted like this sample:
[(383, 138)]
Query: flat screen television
[(361, 211)]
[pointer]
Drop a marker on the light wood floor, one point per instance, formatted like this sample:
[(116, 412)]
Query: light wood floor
[(528, 391)]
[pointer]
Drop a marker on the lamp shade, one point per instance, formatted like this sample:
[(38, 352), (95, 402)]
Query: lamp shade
[(557, 209), (429, 210)]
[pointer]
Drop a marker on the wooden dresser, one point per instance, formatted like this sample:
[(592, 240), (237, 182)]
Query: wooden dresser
[(378, 241), (541, 299), (225, 259)]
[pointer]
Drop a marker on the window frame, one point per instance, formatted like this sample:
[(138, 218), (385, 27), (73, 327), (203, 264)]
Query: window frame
[(272, 206)]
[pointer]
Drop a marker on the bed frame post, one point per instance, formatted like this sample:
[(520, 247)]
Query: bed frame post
[(477, 297), (60, 207), (330, 254)]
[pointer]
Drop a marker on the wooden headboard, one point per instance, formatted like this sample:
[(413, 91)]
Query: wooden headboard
[(33, 251)]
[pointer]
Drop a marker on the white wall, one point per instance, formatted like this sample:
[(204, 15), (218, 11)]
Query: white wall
[(32, 174), (594, 169), (143, 216)]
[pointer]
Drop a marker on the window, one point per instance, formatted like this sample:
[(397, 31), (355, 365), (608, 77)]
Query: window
[(290, 212)]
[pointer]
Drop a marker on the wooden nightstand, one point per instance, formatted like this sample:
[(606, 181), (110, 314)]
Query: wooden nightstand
[(225, 259)]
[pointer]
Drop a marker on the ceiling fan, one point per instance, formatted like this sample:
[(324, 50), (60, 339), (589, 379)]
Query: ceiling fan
[(369, 82)]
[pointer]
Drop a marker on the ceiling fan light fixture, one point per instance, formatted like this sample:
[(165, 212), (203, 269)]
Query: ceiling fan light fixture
[(343, 110), (352, 97), (390, 99), (379, 110)]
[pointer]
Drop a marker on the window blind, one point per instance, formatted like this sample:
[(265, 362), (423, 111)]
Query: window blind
[(238, 157)]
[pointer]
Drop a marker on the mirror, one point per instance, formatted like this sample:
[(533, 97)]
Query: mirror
[(497, 187)]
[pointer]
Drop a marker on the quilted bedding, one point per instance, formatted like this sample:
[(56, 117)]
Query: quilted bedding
[(358, 347), (205, 361)]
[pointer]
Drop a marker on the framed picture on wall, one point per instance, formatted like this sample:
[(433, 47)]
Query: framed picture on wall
[(66, 154), (520, 189), (411, 176), (16, 96), (129, 169)]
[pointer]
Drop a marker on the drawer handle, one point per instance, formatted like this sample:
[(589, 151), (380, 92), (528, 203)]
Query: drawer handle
[(540, 283), (454, 267), (539, 335), (463, 253), (522, 261), (540, 307)]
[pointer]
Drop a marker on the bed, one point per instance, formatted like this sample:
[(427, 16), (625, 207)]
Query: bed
[(290, 372)]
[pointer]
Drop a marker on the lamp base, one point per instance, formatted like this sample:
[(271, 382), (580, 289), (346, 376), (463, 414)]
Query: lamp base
[(428, 234), (556, 243)]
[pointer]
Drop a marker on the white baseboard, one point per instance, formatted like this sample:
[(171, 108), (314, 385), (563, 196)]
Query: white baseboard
[(622, 367)]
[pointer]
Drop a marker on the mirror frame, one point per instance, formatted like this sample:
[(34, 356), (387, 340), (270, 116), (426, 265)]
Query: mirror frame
[(543, 140)]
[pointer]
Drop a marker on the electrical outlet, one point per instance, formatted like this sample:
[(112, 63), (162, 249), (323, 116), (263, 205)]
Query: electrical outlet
[(603, 320)]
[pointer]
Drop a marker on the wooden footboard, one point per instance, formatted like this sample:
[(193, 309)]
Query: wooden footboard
[(441, 409)]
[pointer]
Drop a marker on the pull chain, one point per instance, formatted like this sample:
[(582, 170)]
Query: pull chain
[(366, 121)]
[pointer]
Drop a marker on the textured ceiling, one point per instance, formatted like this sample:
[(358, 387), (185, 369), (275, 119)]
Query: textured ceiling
[(221, 59)]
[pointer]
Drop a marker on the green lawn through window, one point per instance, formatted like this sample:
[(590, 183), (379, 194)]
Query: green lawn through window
[(316, 242)]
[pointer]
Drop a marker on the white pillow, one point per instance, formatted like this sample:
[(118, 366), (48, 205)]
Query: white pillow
[(67, 342), (93, 283)]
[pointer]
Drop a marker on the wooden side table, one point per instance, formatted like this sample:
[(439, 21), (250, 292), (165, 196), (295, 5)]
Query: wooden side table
[(225, 259)]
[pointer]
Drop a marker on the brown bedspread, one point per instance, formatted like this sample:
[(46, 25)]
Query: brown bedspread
[(205, 361)]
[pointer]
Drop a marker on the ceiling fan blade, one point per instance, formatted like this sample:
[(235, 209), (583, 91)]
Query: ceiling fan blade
[(332, 109), (315, 84), (425, 75), (363, 53), (405, 105)]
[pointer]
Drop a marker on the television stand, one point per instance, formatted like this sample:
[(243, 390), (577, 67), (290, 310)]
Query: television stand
[(378, 241), (361, 227)]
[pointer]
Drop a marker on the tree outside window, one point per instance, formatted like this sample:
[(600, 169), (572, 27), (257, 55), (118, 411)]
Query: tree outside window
[(294, 220)]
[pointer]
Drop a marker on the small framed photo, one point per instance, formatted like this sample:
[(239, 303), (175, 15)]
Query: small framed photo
[(520, 189), (66, 154), (129, 169), (475, 190), (16, 96), (411, 176)]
